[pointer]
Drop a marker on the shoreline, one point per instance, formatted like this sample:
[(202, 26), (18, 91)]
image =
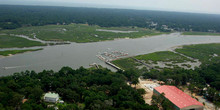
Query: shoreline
[(93, 58), (125, 38), (195, 63), (10, 55), (199, 34), (115, 39), (24, 51), (172, 48), (70, 42)]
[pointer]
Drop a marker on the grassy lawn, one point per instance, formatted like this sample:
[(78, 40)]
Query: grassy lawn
[(201, 33), (7, 41), (204, 52), (79, 32), (165, 56), (13, 52)]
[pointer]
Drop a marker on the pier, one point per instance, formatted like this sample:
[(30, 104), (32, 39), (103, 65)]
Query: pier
[(95, 65), (109, 56), (114, 66), (142, 63)]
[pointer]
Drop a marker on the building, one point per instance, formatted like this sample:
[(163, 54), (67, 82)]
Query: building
[(179, 99), (51, 97)]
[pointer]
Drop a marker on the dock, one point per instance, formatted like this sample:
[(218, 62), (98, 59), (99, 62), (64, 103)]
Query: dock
[(142, 63), (109, 56), (95, 65), (114, 66)]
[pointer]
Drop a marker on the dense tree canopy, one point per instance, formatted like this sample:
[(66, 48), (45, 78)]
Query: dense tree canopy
[(17, 16), (96, 89)]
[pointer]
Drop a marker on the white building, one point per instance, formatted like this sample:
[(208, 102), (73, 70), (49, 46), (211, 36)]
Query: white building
[(51, 97)]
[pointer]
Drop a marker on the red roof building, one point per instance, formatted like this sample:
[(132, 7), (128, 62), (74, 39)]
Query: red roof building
[(181, 100)]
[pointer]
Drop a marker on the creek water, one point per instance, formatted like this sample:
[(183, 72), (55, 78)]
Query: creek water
[(82, 54)]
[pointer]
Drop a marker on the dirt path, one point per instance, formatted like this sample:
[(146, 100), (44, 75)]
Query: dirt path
[(149, 92)]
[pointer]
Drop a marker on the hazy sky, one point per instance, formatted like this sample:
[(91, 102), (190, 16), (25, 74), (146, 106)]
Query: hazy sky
[(200, 6)]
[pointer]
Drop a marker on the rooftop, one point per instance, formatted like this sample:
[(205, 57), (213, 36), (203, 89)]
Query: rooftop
[(52, 95), (177, 97)]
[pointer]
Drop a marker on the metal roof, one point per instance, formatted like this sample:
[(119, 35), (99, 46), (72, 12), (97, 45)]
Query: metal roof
[(177, 97), (51, 95)]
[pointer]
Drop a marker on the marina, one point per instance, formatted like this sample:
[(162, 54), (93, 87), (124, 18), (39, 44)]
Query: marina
[(109, 56)]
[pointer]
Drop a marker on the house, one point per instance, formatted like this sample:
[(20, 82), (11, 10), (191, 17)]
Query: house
[(179, 99), (51, 97)]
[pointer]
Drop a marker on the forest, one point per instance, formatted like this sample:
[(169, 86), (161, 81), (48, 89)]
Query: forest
[(99, 89), (13, 16), (93, 89)]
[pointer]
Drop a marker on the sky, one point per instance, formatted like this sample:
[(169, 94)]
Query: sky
[(196, 6)]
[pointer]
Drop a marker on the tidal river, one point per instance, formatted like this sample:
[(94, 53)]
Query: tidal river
[(82, 54)]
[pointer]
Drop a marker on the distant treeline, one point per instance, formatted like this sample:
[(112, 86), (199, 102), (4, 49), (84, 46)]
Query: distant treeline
[(12, 16)]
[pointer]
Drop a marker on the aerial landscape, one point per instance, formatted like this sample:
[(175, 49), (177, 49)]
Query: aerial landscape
[(108, 55)]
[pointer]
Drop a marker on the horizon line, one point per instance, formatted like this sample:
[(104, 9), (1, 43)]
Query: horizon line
[(96, 7)]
